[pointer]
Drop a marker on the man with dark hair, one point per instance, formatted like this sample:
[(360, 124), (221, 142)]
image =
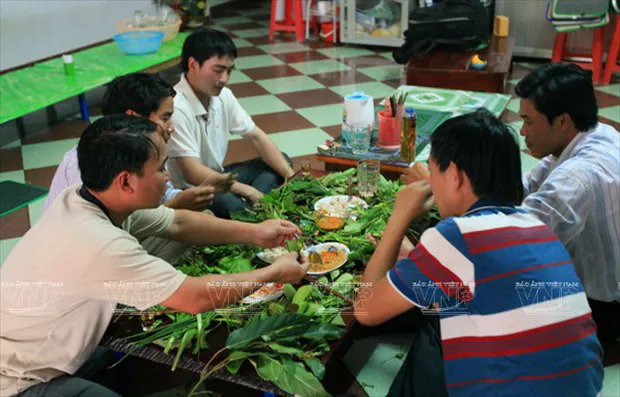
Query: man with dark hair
[(206, 114), (83, 255), (144, 95), (486, 276), (575, 189)]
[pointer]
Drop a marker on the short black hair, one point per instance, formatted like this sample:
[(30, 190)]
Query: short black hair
[(486, 150), (140, 92), (206, 43), (559, 88), (113, 144)]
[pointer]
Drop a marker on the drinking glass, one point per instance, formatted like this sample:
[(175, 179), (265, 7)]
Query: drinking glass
[(368, 172), (148, 320), (305, 167), (359, 138)]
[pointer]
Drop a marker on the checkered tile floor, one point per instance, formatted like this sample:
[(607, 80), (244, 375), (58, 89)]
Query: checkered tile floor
[(293, 91)]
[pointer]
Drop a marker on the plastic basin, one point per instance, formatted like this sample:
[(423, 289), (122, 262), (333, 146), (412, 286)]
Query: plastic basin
[(139, 43)]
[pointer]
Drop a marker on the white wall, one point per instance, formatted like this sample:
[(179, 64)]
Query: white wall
[(35, 29)]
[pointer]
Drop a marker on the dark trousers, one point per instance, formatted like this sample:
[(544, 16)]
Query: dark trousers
[(81, 383), (422, 373), (255, 173), (606, 315)]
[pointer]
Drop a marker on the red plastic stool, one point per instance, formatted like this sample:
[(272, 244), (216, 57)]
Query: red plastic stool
[(612, 56), (288, 25), (596, 66)]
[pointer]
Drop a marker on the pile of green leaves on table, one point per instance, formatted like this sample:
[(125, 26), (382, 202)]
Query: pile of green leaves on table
[(295, 200), (282, 339)]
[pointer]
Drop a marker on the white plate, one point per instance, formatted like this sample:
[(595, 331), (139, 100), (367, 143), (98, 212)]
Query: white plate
[(325, 247), (339, 202), (263, 257), (266, 293)]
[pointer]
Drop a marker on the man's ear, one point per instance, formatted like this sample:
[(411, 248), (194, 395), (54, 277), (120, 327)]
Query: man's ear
[(124, 182), (456, 176), (563, 121), (130, 112), (192, 64), (459, 177)]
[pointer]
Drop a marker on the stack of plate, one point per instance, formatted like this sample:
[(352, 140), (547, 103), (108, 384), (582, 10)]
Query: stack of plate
[(570, 15)]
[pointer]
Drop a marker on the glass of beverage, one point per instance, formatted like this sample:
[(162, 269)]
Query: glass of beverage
[(368, 172), (147, 319), (305, 167), (359, 138)]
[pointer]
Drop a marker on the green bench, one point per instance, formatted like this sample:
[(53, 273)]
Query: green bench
[(26, 90)]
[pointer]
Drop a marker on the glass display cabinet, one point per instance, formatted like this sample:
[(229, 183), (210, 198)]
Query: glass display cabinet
[(374, 22)]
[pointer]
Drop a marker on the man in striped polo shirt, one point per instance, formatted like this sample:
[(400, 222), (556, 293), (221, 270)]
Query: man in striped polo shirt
[(513, 316)]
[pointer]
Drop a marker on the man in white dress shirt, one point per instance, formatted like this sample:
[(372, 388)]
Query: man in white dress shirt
[(206, 113), (575, 189)]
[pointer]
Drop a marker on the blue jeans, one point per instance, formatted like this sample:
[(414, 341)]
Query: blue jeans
[(79, 383), (255, 173)]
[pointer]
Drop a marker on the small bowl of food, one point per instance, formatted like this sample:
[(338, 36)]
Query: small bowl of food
[(326, 257), (341, 206), (330, 222), (270, 255), (325, 221)]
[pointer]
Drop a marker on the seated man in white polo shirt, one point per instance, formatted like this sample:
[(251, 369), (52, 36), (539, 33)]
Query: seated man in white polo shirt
[(205, 114), (83, 257), (145, 95)]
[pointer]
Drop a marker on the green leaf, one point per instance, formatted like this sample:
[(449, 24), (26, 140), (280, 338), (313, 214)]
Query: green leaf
[(288, 204), (301, 307), (275, 308), (187, 338), (345, 278), (289, 375), (293, 351), (338, 320), (303, 293), (278, 326), (235, 360), (312, 309), (245, 216), (236, 264), (317, 367), (295, 245), (318, 331), (169, 344), (289, 291)]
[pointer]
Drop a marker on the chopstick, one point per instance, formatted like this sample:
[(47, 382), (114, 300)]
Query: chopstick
[(314, 281), (393, 105), (396, 103)]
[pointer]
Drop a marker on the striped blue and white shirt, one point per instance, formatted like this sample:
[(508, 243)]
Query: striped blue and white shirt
[(578, 196), (514, 317)]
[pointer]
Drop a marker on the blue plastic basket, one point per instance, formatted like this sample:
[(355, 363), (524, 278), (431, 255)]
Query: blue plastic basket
[(138, 43)]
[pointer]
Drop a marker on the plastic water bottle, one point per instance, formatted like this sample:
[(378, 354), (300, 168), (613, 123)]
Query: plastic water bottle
[(408, 135), (67, 63)]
